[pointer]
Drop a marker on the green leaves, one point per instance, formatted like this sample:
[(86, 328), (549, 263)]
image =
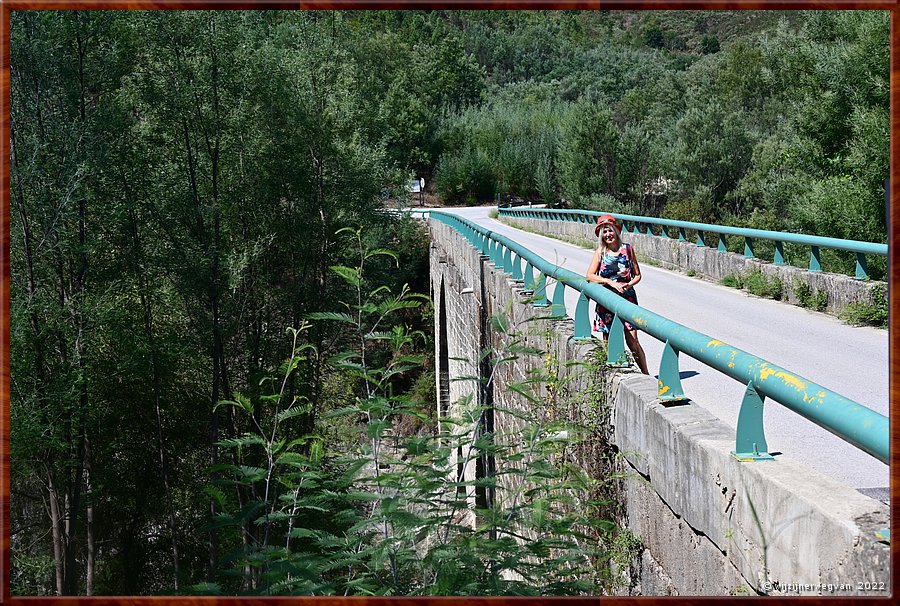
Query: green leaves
[(349, 274), (500, 323), (239, 401), (539, 512), (333, 316)]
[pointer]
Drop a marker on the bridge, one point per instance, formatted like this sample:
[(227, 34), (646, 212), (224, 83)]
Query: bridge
[(711, 521)]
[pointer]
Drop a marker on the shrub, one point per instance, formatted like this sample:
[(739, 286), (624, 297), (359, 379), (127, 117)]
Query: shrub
[(816, 300), (600, 203), (869, 314), (465, 178), (733, 281), (819, 300), (759, 284), (685, 209), (507, 147), (709, 44)]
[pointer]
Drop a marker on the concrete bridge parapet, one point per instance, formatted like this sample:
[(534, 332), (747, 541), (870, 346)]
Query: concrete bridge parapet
[(708, 524), (716, 525)]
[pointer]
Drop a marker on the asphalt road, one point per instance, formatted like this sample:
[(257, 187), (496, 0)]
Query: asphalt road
[(852, 361)]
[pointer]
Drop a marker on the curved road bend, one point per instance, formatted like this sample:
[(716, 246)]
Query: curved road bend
[(852, 361)]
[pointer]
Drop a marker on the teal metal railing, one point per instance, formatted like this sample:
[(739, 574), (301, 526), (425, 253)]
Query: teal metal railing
[(853, 422), (778, 238)]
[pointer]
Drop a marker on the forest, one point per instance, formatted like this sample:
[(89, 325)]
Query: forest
[(221, 359)]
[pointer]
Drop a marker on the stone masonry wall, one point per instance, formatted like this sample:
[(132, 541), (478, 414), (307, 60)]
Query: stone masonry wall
[(708, 262), (709, 524)]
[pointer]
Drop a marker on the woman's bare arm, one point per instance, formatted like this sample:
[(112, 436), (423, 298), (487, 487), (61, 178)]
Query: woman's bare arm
[(594, 269)]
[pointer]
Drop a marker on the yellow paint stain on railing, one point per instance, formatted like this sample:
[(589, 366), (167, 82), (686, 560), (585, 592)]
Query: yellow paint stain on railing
[(715, 343), (820, 396), (663, 388), (765, 373)]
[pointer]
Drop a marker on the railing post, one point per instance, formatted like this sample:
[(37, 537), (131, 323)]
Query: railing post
[(779, 253), (681, 237), (670, 390), (815, 264), (615, 344), (517, 268), (540, 293), (559, 299), (507, 261), (663, 231), (700, 241), (750, 442), (862, 272), (582, 318), (529, 277), (748, 247), (649, 229), (722, 247)]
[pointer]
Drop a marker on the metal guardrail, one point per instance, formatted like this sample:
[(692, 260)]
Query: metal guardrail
[(849, 420), (779, 238)]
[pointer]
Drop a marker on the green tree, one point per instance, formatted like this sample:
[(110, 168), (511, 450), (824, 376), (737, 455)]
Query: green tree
[(589, 152)]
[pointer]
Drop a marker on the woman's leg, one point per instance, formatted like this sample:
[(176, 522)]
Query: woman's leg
[(631, 339)]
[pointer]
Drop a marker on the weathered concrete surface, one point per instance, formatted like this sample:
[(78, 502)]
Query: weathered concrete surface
[(709, 263), (774, 524), (709, 524)]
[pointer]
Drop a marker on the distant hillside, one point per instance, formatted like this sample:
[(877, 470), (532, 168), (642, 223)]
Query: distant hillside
[(691, 26)]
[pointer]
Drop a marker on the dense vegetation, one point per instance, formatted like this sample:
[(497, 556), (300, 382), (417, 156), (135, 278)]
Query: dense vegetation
[(783, 125), (773, 120), (181, 184)]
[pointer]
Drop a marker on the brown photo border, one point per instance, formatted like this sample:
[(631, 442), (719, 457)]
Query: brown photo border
[(893, 272)]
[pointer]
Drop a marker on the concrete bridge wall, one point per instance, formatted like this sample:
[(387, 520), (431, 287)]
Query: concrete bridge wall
[(714, 265), (708, 524)]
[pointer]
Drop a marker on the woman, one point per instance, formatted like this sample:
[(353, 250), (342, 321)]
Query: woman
[(615, 266)]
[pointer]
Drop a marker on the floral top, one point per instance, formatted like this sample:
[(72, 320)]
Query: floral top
[(616, 265)]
